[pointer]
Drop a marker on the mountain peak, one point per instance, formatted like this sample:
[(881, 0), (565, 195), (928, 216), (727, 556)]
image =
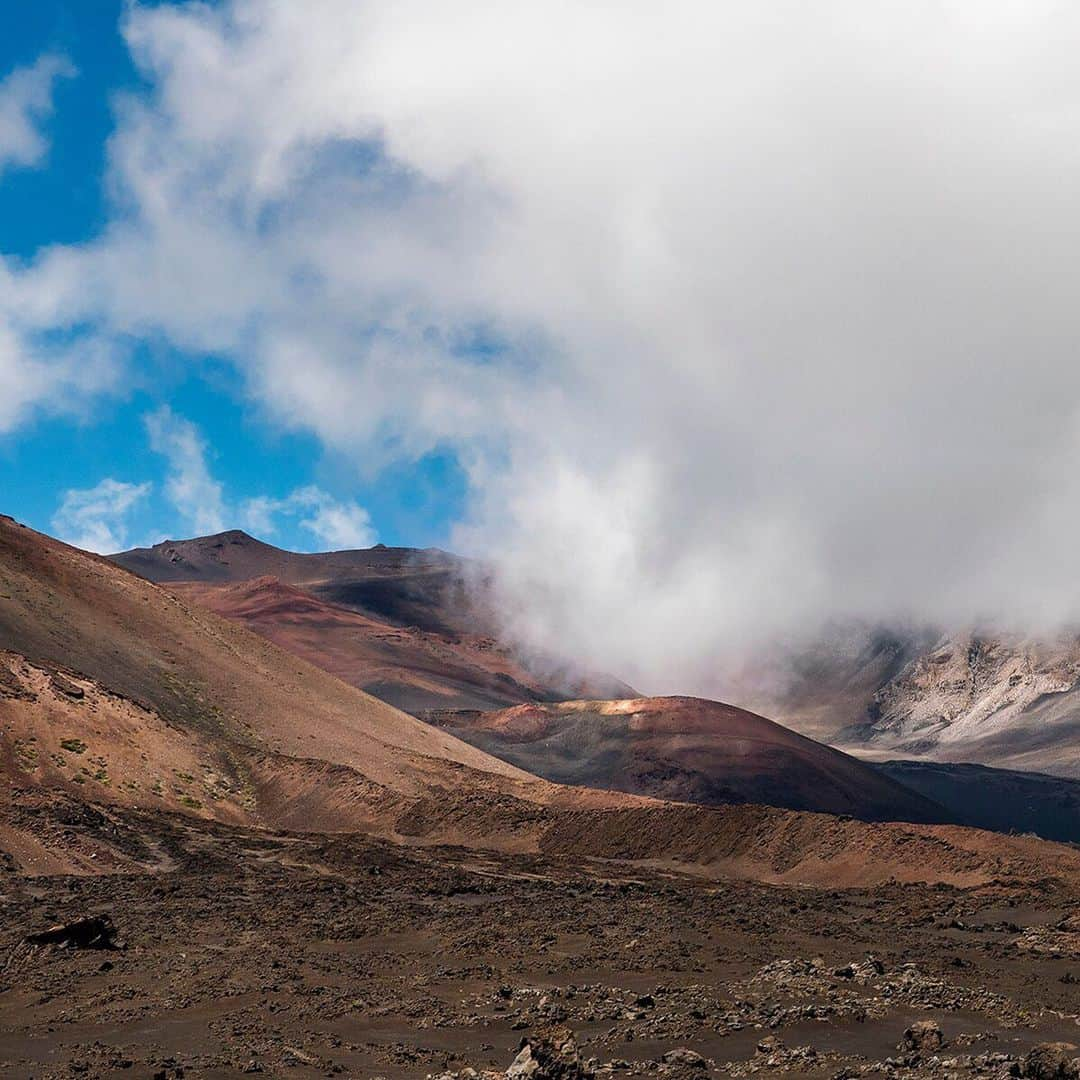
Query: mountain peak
[(230, 536)]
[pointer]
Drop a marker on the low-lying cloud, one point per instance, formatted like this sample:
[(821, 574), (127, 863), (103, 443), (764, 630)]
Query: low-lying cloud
[(740, 317)]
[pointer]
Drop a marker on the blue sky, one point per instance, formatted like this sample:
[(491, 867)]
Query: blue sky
[(64, 200)]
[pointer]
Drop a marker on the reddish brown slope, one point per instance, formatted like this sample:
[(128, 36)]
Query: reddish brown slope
[(427, 639), (184, 692), (688, 749), (404, 665)]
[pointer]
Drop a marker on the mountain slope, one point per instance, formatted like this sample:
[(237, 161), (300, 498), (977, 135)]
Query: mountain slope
[(421, 637), (688, 749), (97, 656), (990, 698), (996, 700), (110, 684), (411, 668)]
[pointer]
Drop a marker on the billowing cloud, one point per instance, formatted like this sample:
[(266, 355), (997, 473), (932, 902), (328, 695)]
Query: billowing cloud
[(40, 368), (739, 317), (96, 519)]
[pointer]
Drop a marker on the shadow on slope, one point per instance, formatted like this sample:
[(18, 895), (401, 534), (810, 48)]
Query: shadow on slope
[(1002, 800)]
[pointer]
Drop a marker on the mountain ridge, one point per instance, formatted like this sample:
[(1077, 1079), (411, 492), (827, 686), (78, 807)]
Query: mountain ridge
[(424, 634)]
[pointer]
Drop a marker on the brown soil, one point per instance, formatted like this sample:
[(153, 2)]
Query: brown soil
[(307, 956)]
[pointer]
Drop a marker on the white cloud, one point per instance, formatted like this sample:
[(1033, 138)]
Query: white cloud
[(781, 295), (25, 104), (95, 519), (190, 486), (335, 524), (199, 499), (257, 515), (41, 367)]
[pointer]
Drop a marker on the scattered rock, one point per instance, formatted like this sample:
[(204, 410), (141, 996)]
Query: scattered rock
[(682, 1056), (65, 686), (294, 1056)]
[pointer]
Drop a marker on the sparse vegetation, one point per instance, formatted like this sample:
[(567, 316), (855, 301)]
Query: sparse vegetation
[(187, 800), (73, 746), (26, 755)]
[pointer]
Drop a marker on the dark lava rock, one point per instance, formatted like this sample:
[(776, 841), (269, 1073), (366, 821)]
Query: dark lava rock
[(94, 932), (66, 687)]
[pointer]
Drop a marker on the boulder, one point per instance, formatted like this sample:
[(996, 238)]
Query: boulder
[(1051, 1061), (687, 1058), (923, 1037), (93, 932), (549, 1055)]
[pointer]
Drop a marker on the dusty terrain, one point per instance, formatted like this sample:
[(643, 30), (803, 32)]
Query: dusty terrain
[(305, 956), (687, 749), (411, 626)]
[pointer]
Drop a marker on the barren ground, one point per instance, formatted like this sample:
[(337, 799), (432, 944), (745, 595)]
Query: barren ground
[(307, 956)]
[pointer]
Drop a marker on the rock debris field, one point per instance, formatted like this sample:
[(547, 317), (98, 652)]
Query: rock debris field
[(299, 956)]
